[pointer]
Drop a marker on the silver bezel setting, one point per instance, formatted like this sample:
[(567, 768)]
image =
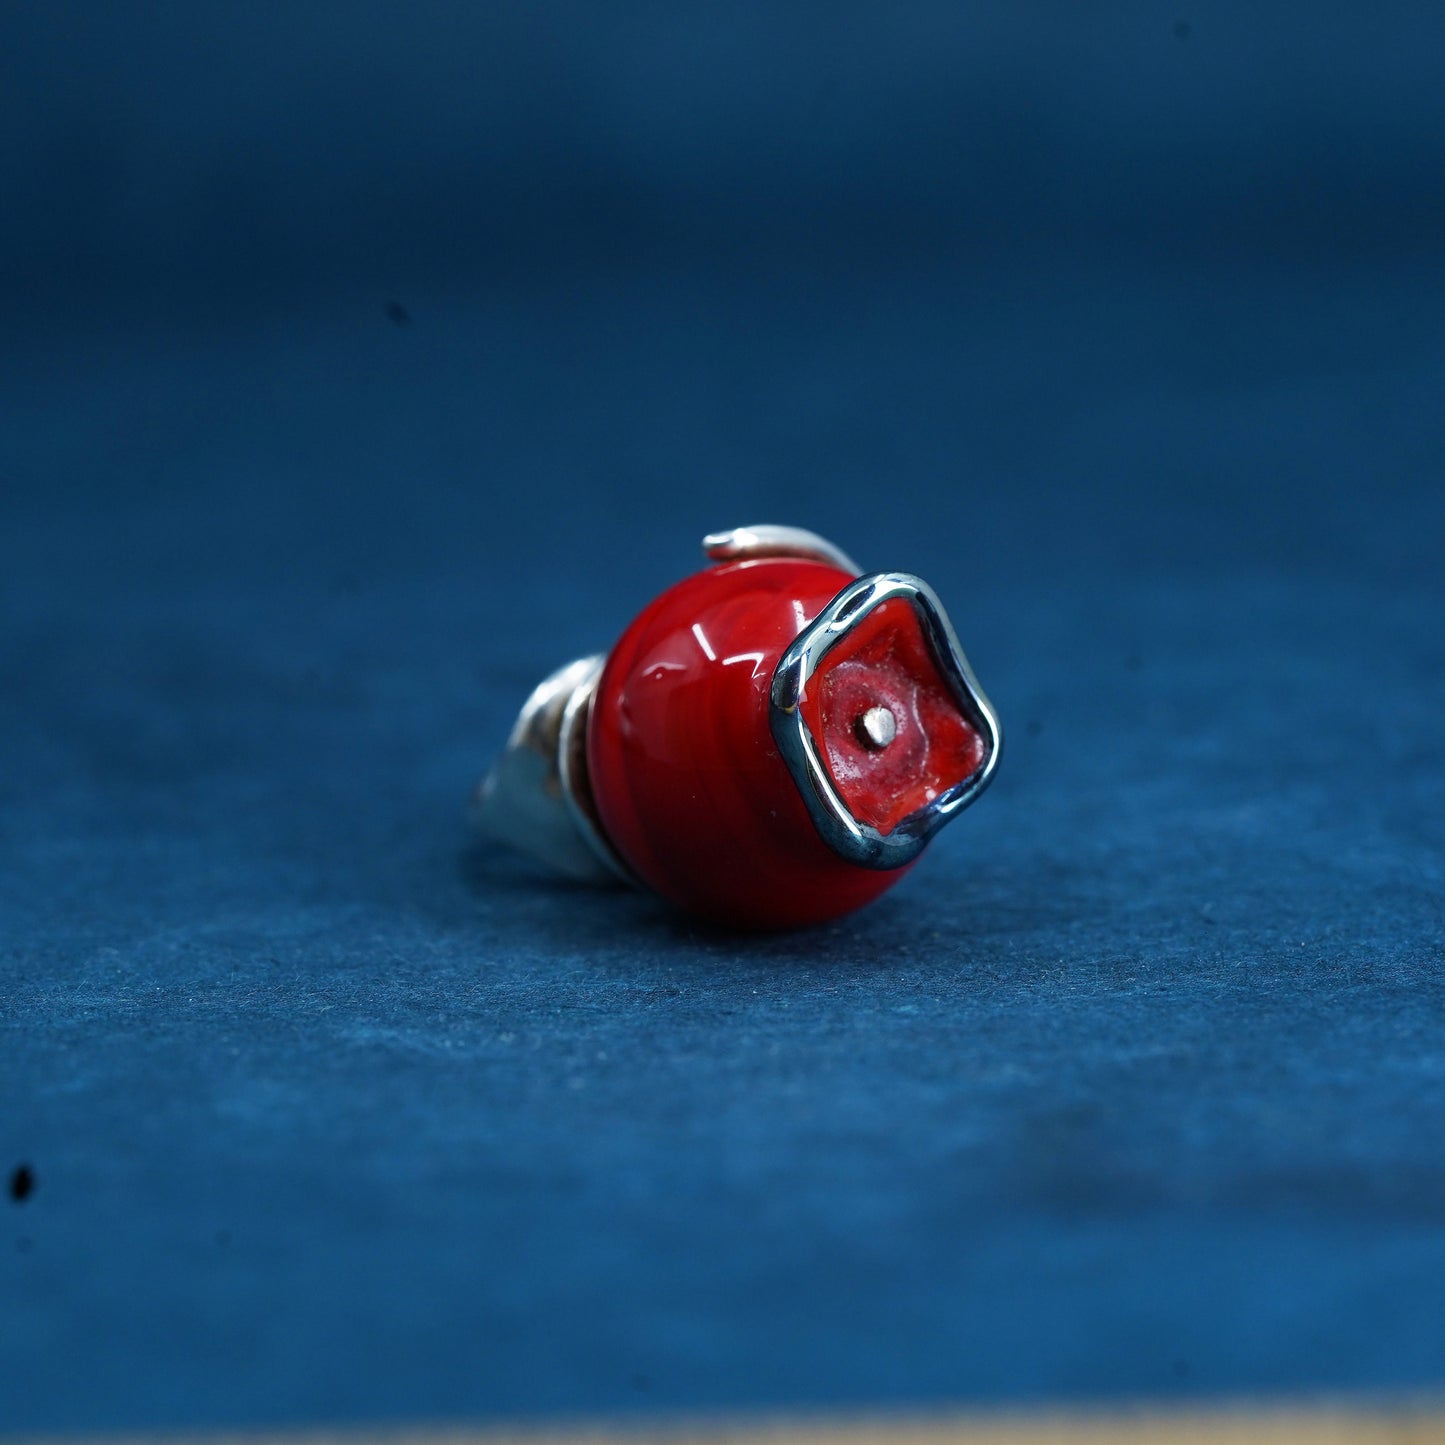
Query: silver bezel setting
[(852, 839)]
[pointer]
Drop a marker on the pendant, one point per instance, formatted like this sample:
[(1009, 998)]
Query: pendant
[(771, 742)]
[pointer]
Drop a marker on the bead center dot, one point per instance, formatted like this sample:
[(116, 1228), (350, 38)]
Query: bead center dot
[(876, 728)]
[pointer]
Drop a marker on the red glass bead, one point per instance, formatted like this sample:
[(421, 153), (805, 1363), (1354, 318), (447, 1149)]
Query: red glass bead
[(687, 779)]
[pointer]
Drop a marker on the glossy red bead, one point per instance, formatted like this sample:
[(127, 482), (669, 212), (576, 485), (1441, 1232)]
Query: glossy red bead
[(688, 781)]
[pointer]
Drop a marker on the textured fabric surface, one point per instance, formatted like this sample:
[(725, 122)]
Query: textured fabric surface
[(1135, 1087)]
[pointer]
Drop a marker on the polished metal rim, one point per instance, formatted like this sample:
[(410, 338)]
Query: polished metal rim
[(851, 838)]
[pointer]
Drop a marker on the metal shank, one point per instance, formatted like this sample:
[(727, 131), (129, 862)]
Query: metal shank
[(536, 797)]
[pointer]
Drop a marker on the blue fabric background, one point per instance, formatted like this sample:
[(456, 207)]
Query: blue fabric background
[(362, 362)]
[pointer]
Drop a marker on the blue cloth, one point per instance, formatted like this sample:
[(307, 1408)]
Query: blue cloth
[(360, 367)]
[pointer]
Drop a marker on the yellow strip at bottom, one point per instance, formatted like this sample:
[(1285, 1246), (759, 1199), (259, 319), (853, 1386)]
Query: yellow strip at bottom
[(1340, 1425)]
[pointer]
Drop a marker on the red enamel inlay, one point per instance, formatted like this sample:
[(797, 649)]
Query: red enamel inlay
[(885, 661)]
